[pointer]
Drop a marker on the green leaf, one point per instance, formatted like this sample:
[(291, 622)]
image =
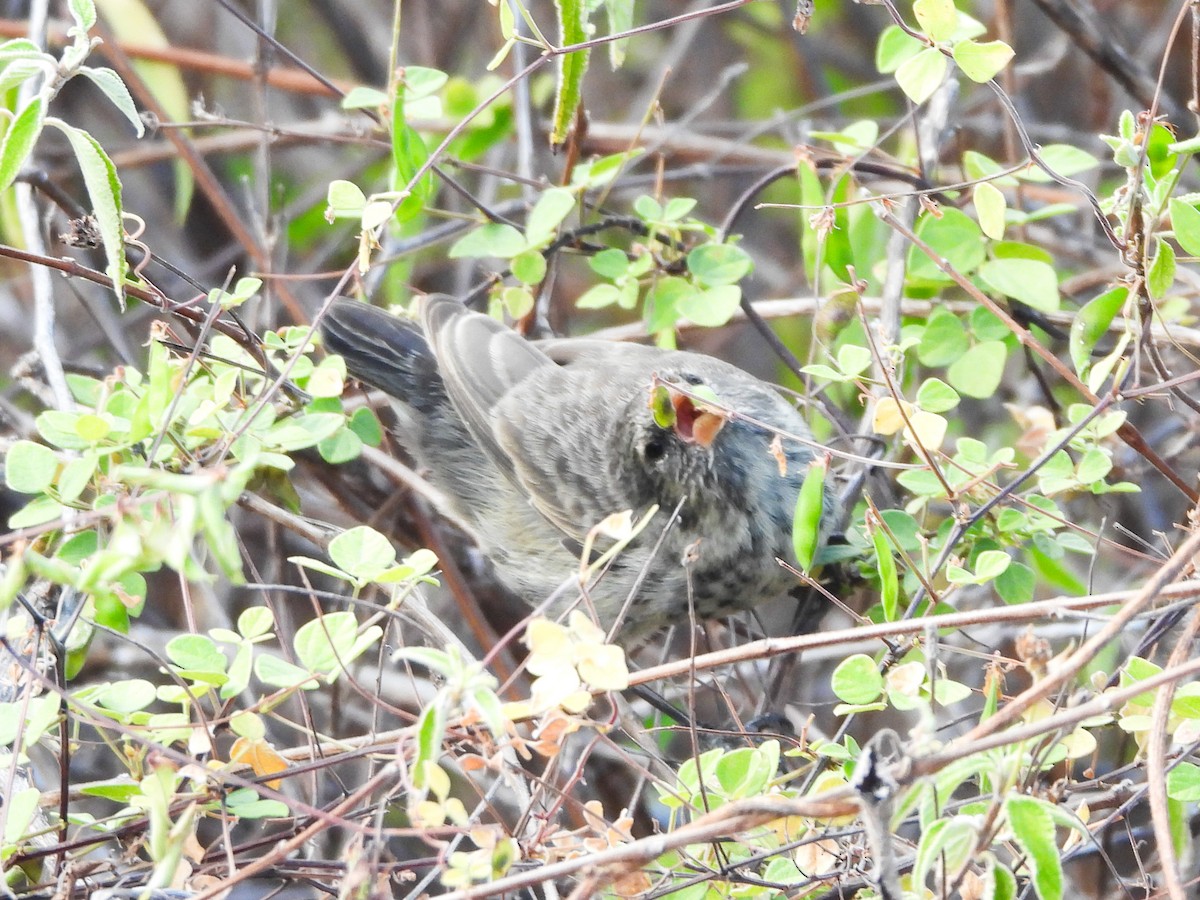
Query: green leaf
[(598, 297), (990, 564), (895, 47), (362, 552), (1183, 783), (1091, 324), (677, 208), (120, 792), (275, 672), (711, 308), (1094, 466), (421, 81), (18, 71), (1016, 584), (18, 143), (936, 396), (84, 14), (719, 264), (126, 696), (255, 622), (430, 729), (1031, 281), (573, 29), (921, 75), (661, 308), (604, 170), (989, 207), (92, 428), (303, 431), (30, 468), (648, 208), (19, 812), (363, 97), (977, 166), (493, 239), (620, 18), (409, 155), (38, 511), (954, 236), (238, 678), (982, 62), (114, 89), (947, 842), (611, 263), (943, 340), (258, 808), (528, 267), (1185, 221), (1063, 159), (22, 49), (196, 652), (518, 301), (853, 360), (889, 583), (104, 191), (857, 680), (1161, 275), (806, 524), (937, 18), (987, 326), (1033, 829), (324, 644), (345, 200), (365, 424), (547, 214), (977, 372), (1186, 702)]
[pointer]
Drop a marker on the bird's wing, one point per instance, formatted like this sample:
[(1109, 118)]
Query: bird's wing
[(481, 361), (537, 408)]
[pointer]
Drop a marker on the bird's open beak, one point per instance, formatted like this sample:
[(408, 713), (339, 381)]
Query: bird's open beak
[(695, 424)]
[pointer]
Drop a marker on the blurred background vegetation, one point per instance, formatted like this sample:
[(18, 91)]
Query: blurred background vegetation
[(252, 110)]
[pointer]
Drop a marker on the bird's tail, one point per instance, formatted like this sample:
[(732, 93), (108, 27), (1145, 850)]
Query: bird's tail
[(384, 351)]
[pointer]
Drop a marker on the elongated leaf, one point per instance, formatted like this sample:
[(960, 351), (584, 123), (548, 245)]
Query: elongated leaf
[(114, 89), (409, 154), (18, 71), (620, 18), (889, 583), (104, 190), (19, 140), (572, 20), (84, 13), (1185, 220), (1092, 322), (1033, 828), (806, 525)]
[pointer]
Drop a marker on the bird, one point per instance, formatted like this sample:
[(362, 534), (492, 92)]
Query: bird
[(535, 443)]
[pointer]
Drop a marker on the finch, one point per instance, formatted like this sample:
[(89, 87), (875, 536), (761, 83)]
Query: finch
[(534, 443)]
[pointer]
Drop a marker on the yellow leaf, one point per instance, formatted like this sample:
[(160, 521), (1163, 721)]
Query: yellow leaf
[(926, 430), (888, 418), (603, 667), (259, 756)]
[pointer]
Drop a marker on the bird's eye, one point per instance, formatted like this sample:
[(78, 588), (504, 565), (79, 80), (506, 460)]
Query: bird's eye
[(655, 448), (693, 379)]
